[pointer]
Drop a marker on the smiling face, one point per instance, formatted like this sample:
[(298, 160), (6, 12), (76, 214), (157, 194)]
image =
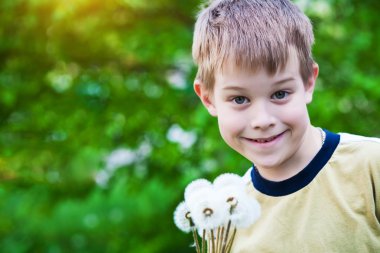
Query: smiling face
[(264, 117)]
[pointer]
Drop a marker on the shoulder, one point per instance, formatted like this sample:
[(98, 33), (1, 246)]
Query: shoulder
[(360, 144), (346, 138), (359, 150)]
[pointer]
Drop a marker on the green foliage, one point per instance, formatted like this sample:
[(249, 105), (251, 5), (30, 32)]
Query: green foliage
[(348, 56), (84, 83)]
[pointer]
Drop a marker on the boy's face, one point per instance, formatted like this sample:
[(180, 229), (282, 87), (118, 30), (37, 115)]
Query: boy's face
[(263, 117)]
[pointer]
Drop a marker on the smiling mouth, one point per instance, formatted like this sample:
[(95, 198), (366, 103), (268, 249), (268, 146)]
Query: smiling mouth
[(265, 140)]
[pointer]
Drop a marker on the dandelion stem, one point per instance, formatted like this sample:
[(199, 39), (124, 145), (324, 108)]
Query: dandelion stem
[(208, 244), (213, 240), (203, 240), (219, 245), (226, 237), (217, 239), (196, 240), (231, 241)]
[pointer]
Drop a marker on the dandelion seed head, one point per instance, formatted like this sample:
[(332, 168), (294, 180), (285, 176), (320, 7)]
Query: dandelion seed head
[(232, 194), (228, 179), (199, 196), (182, 217), (232, 201), (208, 206), (243, 209), (230, 187), (245, 213), (209, 212), (196, 188)]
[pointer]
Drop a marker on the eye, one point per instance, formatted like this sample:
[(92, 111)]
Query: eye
[(240, 100), (280, 94)]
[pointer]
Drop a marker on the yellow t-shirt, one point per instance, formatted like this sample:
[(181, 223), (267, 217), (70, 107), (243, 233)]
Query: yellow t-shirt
[(333, 205)]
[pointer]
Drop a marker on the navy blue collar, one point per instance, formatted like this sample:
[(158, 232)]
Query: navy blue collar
[(304, 177)]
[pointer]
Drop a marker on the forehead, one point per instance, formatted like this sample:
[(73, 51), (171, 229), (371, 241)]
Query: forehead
[(232, 73)]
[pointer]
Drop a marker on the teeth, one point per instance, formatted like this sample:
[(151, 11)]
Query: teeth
[(265, 140)]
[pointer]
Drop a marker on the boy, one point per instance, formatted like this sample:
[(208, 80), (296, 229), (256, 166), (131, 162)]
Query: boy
[(319, 191)]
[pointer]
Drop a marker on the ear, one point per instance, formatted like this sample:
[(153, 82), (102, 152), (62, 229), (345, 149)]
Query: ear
[(205, 97), (310, 85)]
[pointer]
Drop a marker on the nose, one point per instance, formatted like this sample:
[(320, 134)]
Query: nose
[(262, 116)]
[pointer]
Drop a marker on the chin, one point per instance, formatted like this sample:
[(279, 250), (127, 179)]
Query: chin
[(265, 163)]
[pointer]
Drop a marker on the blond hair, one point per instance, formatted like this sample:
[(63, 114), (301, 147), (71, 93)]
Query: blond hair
[(253, 33)]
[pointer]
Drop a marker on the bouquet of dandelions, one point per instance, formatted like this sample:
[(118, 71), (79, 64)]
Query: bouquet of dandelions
[(214, 211)]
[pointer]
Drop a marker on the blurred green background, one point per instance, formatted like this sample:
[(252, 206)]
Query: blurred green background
[(100, 130)]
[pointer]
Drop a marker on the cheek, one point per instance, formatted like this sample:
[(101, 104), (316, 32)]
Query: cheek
[(296, 115), (230, 124)]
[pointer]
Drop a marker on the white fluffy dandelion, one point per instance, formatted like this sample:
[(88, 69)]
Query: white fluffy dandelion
[(216, 210), (182, 218), (245, 212), (228, 179), (194, 190), (184, 221), (208, 210)]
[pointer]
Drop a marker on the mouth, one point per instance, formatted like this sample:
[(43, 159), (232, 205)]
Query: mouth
[(265, 140)]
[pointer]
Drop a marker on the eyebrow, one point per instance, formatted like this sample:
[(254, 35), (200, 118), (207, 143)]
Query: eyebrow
[(233, 88), (285, 80)]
